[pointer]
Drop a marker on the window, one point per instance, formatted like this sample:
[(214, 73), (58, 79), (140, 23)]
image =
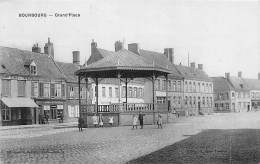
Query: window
[(63, 90), (203, 87), (210, 101), (190, 87), (179, 100), (33, 70), (207, 101), (190, 101), (164, 85), (46, 90), (21, 88), (123, 91), (161, 100), (227, 106), (159, 84), (6, 87), (71, 91), (130, 92), (82, 92), (41, 89), (35, 89), (194, 87), (103, 91), (186, 86), (179, 86), (6, 114), (117, 92), (210, 87), (203, 101), (233, 94), (135, 92), (110, 91), (52, 90), (186, 100), (194, 101), (198, 87), (57, 92)]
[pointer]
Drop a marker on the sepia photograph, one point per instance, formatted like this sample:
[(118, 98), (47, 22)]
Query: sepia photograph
[(130, 81)]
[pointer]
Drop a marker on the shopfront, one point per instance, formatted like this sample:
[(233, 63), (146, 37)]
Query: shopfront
[(18, 111), (51, 110)]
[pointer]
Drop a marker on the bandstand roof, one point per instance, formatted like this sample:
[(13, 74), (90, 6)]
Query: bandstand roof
[(125, 63)]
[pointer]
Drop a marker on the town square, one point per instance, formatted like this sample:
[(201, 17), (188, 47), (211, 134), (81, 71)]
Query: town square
[(129, 81)]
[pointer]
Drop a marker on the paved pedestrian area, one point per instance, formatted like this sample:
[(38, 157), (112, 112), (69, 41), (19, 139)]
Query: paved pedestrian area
[(116, 144)]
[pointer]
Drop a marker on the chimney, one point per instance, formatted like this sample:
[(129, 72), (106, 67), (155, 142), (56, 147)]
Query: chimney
[(227, 75), (192, 65), (168, 52), (239, 74), (118, 46), (48, 48), (93, 47), (258, 75), (200, 66), (36, 48), (134, 47), (76, 57)]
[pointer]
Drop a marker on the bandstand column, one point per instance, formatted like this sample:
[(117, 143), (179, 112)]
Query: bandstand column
[(96, 95), (153, 80), (80, 112)]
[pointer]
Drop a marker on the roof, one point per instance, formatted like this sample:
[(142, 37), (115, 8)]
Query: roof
[(123, 61), (252, 84), (19, 102), (221, 84), (160, 60), (192, 73), (239, 84), (69, 70), (98, 54), (15, 62)]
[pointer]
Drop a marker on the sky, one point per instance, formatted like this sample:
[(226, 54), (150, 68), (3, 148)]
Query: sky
[(223, 35)]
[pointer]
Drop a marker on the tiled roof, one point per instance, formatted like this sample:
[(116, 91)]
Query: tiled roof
[(69, 70), (252, 84), (121, 58), (13, 62), (98, 54), (221, 84), (160, 60), (239, 84), (193, 74)]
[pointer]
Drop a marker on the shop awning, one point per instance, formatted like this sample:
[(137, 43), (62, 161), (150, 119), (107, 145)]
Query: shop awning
[(19, 102)]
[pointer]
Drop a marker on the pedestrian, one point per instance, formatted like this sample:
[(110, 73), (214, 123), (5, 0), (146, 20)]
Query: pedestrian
[(135, 118), (159, 122), (61, 117), (101, 123), (40, 119), (95, 120), (141, 120), (47, 118), (111, 121), (80, 123)]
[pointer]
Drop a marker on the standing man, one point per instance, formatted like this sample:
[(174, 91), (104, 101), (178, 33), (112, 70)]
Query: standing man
[(80, 123), (141, 120)]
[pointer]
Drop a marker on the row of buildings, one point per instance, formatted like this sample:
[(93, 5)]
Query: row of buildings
[(33, 84)]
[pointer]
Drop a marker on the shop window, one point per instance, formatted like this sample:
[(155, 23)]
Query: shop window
[(6, 114)]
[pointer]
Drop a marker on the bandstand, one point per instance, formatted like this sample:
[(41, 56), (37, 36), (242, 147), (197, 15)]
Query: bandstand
[(123, 65)]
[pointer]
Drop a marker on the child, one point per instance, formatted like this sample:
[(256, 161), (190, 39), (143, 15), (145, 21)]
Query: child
[(111, 121), (159, 122), (135, 119), (101, 124)]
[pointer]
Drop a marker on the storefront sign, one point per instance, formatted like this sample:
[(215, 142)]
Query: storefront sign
[(46, 107), (59, 106)]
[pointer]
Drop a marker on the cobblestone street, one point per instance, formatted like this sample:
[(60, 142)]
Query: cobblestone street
[(109, 145)]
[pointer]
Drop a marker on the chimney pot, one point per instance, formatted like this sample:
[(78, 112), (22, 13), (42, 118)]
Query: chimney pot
[(200, 66), (227, 75), (168, 52), (118, 46), (134, 47), (76, 57), (193, 65), (239, 74), (48, 48), (36, 48)]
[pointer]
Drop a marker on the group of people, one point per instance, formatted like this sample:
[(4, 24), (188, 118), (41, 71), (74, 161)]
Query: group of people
[(98, 121), (43, 119), (140, 117)]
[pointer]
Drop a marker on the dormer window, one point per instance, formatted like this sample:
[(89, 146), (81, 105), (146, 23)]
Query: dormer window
[(33, 68)]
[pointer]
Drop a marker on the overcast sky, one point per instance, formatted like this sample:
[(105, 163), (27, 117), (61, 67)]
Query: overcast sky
[(223, 35)]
